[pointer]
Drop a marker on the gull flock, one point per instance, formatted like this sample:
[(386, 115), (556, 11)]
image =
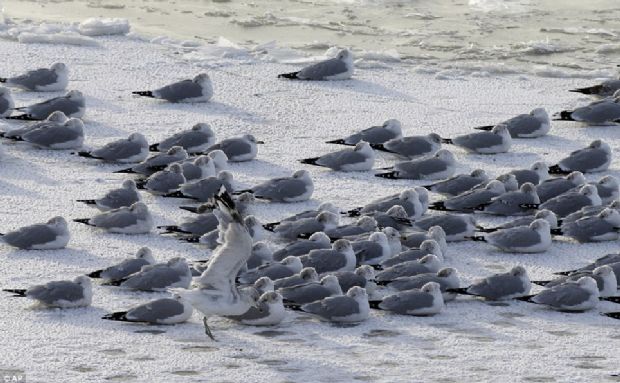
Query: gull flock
[(391, 257)]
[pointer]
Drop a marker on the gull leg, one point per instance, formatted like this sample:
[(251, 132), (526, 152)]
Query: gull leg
[(207, 329)]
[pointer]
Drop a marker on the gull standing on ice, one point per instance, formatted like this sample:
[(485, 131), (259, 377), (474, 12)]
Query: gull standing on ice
[(350, 308), (158, 277), (237, 149), (427, 300), (440, 166), (6, 102), (498, 140), (513, 284), (59, 294), (389, 130), (337, 68), (52, 235), (594, 158), (534, 124), (360, 158), (297, 188), (52, 79), (195, 140), (159, 311), (534, 238), (458, 184), (133, 149), (135, 219), (71, 104), (582, 295), (198, 89), (412, 147), (125, 196), (144, 257)]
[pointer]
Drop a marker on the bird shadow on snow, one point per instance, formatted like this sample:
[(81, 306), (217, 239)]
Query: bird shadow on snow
[(9, 189), (212, 108), (366, 87)]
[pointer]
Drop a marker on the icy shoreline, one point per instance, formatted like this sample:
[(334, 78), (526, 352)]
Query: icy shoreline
[(522, 342)]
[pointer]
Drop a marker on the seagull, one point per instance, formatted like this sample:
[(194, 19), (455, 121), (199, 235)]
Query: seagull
[(311, 292), (337, 68), (297, 188), (205, 189), (197, 225), (201, 167), (363, 276), (572, 201), (470, 200), (531, 125), (198, 139), (261, 254), (350, 308), (409, 199), (307, 226), (582, 295), (555, 186), (424, 301), (198, 89), (318, 240), (306, 275), (6, 102), (236, 149), (159, 311), (545, 214), (52, 235), (604, 276), (269, 311), (512, 203), (72, 104), (602, 227), (412, 147), (415, 239), (373, 250), (360, 158), (68, 135), (59, 294), (395, 217), (447, 278), (608, 189), (242, 203), (458, 184), (133, 149), (608, 259), (363, 225), (537, 173), (455, 226), (164, 181), (429, 246), (440, 166), (513, 284), (427, 264), (158, 277), (157, 162), (52, 79), (220, 159), (55, 119), (339, 258), (594, 158), (325, 206), (135, 219), (605, 89), (125, 268), (590, 211), (274, 270), (603, 112), (375, 135), (534, 238), (125, 196), (497, 140)]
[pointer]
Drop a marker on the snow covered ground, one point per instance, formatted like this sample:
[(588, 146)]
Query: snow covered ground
[(470, 341)]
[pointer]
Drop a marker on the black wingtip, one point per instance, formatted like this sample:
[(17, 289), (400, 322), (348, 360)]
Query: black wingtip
[(85, 221), (611, 299), (85, 154), (141, 185), (154, 147), (353, 212), (615, 315), (339, 141), (565, 115), (526, 298), (190, 239), (87, 201), (569, 272), (3, 79), (310, 161), (486, 229), (589, 90), (377, 268), (541, 283), (446, 141), (529, 205), (484, 127), (125, 171), (172, 229), (556, 169), (439, 206), (293, 306), (144, 93), (393, 175), (380, 147), (16, 292), (22, 117), (476, 238), (95, 274), (176, 194), (271, 226), (117, 316), (459, 290), (191, 209), (556, 232), (375, 304), (290, 76)]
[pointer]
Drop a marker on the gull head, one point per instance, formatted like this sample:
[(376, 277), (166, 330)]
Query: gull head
[(309, 274), (146, 254), (320, 237)]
